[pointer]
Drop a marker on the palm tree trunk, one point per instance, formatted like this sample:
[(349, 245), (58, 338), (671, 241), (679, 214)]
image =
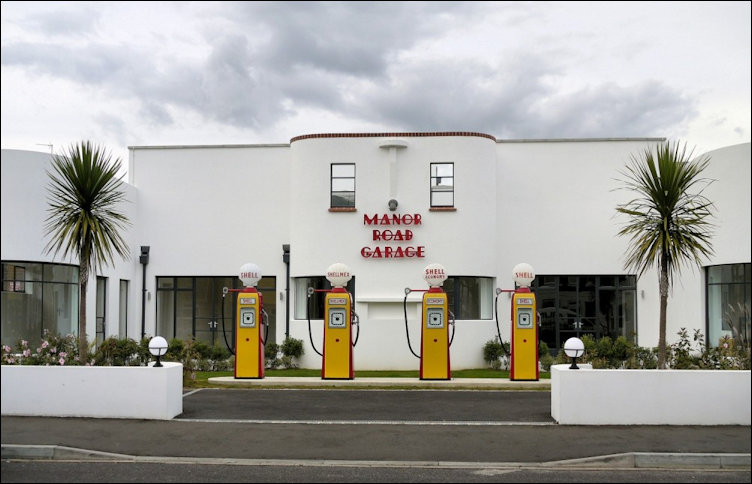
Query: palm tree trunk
[(83, 283), (663, 288)]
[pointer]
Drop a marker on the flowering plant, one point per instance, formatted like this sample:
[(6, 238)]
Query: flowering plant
[(54, 350)]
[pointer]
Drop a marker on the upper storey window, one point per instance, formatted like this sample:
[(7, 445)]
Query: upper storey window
[(343, 185), (442, 184)]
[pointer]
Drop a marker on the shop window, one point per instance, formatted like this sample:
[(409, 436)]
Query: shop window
[(195, 308), (442, 185), (38, 297), (470, 297), (728, 303), (315, 306), (575, 305), (342, 185)]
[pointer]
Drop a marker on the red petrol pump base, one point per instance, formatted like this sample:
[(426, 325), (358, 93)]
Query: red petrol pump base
[(434, 336), (524, 336), (249, 344), (337, 360)]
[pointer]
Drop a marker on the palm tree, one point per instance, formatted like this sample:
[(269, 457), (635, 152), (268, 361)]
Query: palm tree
[(83, 218), (667, 225)]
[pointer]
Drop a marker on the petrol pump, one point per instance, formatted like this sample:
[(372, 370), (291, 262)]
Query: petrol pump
[(434, 328), (250, 317), (339, 318), (524, 327)]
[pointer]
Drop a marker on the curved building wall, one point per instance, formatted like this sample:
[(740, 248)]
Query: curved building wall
[(394, 166), (24, 210)]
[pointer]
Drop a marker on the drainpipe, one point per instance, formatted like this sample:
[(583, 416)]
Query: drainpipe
[(144, 259), (286, 260)]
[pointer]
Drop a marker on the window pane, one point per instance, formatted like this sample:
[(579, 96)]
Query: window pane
[(123, 310), (61, 308), (442, 169), (60, 273), (346, 170), (165, 314), (343, 199), (184, 315), (185, 283), (343, 184), (165, 282), (442, 199)]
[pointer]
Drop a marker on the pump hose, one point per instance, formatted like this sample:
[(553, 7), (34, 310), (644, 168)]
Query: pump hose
[(308, 315), (498, 331), (407, 331), (354, 319), (224, 334), (265, 322), (454, 328)]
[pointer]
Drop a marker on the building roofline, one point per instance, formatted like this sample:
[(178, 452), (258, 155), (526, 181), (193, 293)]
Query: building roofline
[(574, 140), (172, 147), (392, 135), (396, 134)]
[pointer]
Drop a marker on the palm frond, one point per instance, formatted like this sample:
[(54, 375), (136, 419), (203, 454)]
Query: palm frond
[(83, 214)]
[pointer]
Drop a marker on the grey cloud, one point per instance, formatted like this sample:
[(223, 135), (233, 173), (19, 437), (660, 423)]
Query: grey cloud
[(62, 21)]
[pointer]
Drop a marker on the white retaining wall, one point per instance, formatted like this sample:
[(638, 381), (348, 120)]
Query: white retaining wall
[(138, 392), (649, 397)]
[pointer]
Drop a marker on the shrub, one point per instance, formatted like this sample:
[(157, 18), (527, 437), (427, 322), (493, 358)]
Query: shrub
[(271, 358), (117, 352), (292, 349), (493, 350)]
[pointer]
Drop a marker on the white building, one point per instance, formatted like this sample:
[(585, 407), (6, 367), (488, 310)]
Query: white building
[(472, 203)]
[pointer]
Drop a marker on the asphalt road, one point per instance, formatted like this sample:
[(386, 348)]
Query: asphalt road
[(401, 435)]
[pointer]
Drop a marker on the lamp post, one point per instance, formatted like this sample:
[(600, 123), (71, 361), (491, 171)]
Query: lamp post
[(574, 348), (158, 347)]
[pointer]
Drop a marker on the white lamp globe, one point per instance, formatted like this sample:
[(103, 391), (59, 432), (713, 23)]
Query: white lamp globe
[(574, 347), (158, 346)]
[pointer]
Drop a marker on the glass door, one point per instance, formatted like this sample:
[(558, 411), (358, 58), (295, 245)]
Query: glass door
[(212, 326)]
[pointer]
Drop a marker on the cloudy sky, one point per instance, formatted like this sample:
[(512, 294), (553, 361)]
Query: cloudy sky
[(192, 73)]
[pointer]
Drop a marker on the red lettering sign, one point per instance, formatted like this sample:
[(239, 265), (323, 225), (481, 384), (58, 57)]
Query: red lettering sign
[(394, 219), (393, 252)]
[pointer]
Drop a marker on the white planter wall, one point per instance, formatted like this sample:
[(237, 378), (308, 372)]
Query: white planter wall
[(649, 397), (136, 392)]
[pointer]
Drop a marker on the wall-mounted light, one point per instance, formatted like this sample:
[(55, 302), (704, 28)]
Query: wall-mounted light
[(393, 205), (158, 347), (574, 348)]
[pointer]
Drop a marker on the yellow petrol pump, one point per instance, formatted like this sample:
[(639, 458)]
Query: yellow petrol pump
[(524, 327), (435, 321), (339, 317), (249, 342)]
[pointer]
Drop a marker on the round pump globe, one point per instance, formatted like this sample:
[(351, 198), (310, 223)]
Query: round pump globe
[(158, 346), (250, 274), (523, 274), (574, 347), (338, 274), (435, 275)]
